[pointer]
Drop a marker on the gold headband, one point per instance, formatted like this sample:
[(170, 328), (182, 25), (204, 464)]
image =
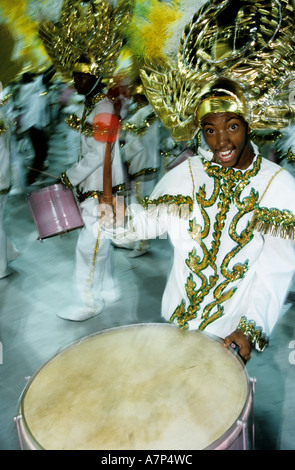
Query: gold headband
[(226, 103), (85, 68)]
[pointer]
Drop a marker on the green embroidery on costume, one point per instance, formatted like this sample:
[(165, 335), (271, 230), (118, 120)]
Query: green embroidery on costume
[(228, 187), (195, 230)]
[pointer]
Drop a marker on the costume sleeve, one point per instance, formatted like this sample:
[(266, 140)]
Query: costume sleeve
[(92, 159), (162, 211), (273, 274)]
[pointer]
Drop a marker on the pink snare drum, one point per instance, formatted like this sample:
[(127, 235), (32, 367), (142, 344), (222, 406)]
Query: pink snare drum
[(55, 210)]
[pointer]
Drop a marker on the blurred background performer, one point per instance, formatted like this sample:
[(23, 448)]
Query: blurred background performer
[(84, 45), (10, 68)]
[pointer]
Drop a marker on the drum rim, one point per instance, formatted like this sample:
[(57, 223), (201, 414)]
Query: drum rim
[(231, 434), (231, 431)]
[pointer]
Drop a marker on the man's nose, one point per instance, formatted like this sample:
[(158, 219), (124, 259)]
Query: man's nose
[(222, 139)]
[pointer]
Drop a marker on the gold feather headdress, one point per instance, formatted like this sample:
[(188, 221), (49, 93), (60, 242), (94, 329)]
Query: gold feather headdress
[(10, 67), (236, 55), (87, 38)]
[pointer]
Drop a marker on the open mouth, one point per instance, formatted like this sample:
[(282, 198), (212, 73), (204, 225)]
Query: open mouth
[(225, 156)]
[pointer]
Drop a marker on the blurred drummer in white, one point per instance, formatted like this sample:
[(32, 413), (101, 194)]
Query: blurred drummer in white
[(85, 45), (93, 249), (7, 249)]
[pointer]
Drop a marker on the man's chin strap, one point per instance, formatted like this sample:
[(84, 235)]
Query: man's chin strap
[(93, 88)]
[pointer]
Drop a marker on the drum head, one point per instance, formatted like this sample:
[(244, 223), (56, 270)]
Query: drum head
[(149, 386)]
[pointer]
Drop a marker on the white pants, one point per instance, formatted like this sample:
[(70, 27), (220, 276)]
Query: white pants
[(3, 238), (94, 268), (8, 251)]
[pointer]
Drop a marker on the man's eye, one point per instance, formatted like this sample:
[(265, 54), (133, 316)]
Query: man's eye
[(209, 131), (233, 126)]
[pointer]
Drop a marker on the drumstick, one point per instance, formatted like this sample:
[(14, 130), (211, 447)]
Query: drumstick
[(107, 176), (43, 172)]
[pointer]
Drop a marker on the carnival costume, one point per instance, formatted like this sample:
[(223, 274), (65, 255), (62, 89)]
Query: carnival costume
[(10, 68), (88, 39), (232, 230)]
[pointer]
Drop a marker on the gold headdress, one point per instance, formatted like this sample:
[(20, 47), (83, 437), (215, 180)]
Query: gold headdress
[(9, 68), (88, 37), (234, 55)]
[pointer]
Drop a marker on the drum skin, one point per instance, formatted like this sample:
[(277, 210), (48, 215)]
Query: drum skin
[(55, 210), (137, 387)]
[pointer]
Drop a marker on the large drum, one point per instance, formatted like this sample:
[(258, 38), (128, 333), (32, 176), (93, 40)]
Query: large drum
[(147, 386), (55, 210)]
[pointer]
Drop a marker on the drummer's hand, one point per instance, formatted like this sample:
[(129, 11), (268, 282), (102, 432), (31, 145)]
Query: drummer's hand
[(112, 212), (243, 343)]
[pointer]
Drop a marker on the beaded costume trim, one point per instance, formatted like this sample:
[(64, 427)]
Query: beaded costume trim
[(3, 128), (75, 123), (179, 205), (97, 194), (274, 222), (92, 193), (228, 186), (5, 190), (82, 125), (290, 156), (143, 172), (254, 334), (139, 130), (66, 181)]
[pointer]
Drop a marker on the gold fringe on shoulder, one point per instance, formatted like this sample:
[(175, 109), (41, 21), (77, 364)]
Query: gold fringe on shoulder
[(274, 222), (180, 206)]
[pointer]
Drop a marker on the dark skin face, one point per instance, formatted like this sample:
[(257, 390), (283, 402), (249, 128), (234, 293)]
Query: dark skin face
[(84, 83), (227, 136)]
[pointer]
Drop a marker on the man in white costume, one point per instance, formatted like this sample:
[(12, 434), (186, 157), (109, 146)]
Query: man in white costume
[(35, 117), (85, 45), (94, 279), (230, 214), (226, 276), (8, 251), (9, 70)]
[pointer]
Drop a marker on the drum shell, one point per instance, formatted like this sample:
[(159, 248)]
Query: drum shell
[(55, 211), (232, 438)]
